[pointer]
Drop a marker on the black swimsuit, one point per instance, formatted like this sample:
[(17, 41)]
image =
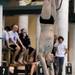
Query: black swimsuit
[(47, 21)]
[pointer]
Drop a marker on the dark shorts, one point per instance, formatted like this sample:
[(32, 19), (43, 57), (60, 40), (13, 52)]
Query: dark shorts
[(13, 46), (47, 21)]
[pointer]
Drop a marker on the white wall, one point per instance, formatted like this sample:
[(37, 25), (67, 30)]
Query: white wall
[(72, 45)]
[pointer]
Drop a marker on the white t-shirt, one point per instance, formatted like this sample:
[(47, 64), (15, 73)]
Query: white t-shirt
[(13, 36), (60, 50), (5, 37)]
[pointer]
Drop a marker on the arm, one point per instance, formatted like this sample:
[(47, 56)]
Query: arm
[(7, 42), (7, 39), (20, 41), (66, 50), (53, 7)]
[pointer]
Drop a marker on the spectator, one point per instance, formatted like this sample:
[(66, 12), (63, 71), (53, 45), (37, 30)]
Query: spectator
[(14, 40), (59, 55), (32, 60), (54, 48), (26, 42), (54, 52), (24, 38), (6, 37)]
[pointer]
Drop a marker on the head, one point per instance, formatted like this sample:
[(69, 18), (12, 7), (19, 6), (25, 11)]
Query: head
[(15, 28), (60, 39), (7, 28), (23, 30)]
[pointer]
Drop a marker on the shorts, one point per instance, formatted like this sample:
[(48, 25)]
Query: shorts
[(13, 46), (47, 21)]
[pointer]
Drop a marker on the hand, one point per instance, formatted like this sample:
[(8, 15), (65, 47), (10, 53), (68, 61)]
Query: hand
[(65, 53), (18, 47), (23, 47)]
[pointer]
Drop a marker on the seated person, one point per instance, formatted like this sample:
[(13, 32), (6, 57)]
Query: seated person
[(5, 37), (34, 63), (25, 38), (14, 41), (31, 60), (5, 44), (26, 42)]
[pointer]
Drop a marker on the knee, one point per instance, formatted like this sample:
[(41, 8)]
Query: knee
[(18, 48)]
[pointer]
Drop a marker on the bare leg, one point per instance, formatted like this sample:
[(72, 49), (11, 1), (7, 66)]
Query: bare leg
[(16, 53), (25, 56), (21, 57), (33, 68), (43, 62)]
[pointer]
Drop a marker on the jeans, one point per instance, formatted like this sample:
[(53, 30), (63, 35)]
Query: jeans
[(58, 65)]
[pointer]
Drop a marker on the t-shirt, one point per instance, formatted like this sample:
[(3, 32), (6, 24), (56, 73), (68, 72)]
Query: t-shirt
[(25, 40), (13, 36), (60, 50), (5, 37)]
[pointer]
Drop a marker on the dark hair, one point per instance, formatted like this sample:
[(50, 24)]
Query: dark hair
[(7, 28), (31, 49), (60, 37), (13, 25), (22, 29)]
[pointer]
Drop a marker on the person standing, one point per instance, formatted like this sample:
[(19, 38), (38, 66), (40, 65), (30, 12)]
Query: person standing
[(59, 55), (54, 48), (54, 52)]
